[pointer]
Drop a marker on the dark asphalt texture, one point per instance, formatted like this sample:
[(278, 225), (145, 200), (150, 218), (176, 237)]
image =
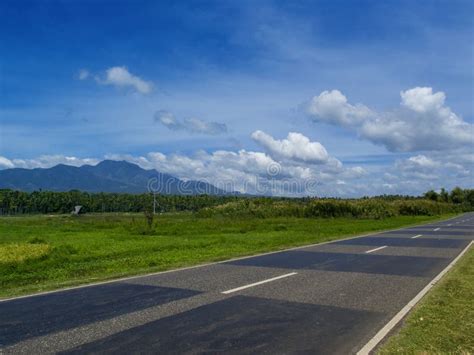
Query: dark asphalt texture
[(341, 295)]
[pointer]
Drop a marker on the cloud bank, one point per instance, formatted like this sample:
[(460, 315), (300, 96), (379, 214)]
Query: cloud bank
[(295, 166), (257, 172)]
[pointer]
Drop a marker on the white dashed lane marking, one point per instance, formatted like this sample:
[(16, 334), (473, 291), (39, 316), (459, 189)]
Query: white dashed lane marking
[(258, 283), (372, 250)]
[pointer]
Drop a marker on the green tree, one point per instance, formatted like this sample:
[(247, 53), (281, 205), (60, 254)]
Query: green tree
[(457, 195), (432, 195), (443, 195)]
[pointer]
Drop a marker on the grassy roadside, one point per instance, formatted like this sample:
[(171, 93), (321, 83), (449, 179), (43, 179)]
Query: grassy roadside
[(443, 323), (39, 253)]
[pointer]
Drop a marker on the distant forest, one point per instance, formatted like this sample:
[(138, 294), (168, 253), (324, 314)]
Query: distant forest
[(46, 202)]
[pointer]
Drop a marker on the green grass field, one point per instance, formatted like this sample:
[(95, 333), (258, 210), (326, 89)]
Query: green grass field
[(443, 323), (40, 253)]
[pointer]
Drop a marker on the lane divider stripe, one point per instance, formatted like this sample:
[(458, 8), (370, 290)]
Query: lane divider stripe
[(258, 283), (372, 250)]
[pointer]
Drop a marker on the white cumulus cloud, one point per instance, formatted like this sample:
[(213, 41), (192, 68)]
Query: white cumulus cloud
[(295, 147), (121, 77), (422, 161), (285, 168), (422, 99), (332, 107), (422, 123), (6, 163)]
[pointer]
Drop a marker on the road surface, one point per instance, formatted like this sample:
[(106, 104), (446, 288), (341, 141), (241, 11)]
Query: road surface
[(330, 298)]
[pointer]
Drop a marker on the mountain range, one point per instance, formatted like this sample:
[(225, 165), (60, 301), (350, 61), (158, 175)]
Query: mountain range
[(107, 176)]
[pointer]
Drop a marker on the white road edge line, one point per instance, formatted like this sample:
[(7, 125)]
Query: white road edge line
[(416, 236), (258, 283), (436, 229), (372, 250), (400, 315)]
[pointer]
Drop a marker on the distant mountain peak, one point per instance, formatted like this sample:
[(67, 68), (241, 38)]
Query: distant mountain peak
[(106, 176), (110, 162)]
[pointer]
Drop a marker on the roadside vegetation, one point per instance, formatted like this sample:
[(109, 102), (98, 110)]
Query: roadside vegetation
[(443, 323), (47, 202), (46, 252)]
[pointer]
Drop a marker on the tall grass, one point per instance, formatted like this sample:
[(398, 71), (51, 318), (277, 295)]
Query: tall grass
[(330, 208)]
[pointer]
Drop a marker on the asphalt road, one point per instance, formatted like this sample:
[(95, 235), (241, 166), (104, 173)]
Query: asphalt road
[(327, 299)]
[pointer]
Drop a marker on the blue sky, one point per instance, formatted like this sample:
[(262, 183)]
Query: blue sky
[(178, 85)]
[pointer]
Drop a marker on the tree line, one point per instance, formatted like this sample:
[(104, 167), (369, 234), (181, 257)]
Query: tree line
[(48, 202), (456, 196)]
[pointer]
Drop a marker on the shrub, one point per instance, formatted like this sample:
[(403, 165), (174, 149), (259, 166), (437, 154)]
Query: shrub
[(376, 208)]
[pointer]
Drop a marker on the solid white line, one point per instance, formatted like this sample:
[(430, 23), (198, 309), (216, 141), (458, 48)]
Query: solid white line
[(372, 250), (258, 283), (416, 236), (436, 229), (400, 315), (126, 278)]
